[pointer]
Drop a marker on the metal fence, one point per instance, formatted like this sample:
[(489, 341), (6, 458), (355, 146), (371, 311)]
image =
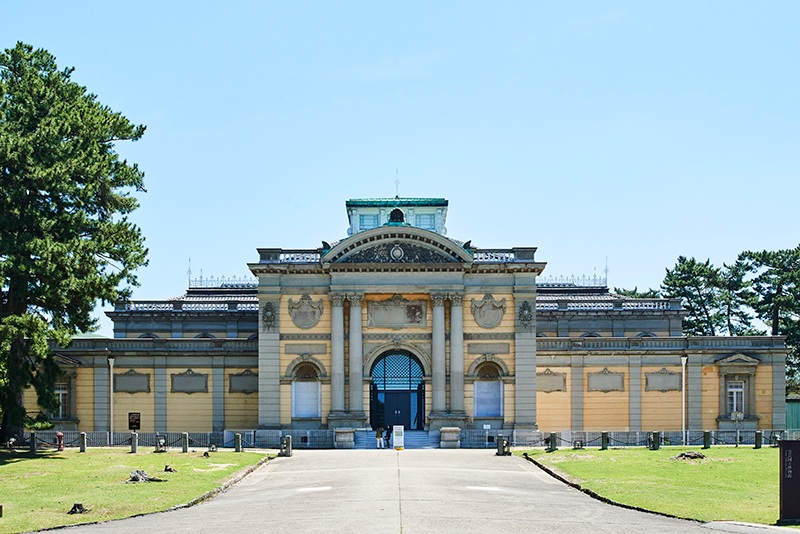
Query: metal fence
[(471, 439)]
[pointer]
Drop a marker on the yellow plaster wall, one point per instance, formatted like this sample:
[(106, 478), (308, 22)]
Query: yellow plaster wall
[(84, 384), (661, 410), (142, 402), (286, 403), (554, 409), (30, 401), (763, 391), (189, 412), (241, 409), (603, 411), (509, 401), (710, 398), (469, 399)]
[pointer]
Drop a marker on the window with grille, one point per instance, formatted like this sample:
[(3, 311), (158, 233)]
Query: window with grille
[(735, 396), (397, 371), (427, 222), (365, 222)]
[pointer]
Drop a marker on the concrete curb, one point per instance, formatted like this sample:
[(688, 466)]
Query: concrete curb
[(599, 497), (204, 497)]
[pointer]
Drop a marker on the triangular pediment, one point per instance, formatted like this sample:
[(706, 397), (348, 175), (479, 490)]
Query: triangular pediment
[(738, 359), (397, 244)]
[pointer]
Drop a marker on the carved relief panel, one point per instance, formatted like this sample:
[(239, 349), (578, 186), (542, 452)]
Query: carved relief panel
[(397, 313), (488, 312), (305, 313)]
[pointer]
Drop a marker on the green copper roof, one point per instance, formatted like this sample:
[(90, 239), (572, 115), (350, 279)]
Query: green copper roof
[(394, 202)]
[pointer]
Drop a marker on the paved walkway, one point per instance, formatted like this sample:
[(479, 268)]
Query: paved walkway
[(408, 492)]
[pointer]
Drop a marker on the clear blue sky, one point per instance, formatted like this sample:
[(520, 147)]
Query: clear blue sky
[(636, 131)]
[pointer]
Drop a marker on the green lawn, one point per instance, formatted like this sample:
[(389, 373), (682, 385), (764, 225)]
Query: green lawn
[(739, 484), (37, 490)]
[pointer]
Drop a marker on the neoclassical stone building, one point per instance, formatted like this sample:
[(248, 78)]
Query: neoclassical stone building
[(399, 324)]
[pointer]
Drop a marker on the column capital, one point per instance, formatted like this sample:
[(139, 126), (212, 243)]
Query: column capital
[(438, 299), (355, 298), (337, 299), (456, 298)]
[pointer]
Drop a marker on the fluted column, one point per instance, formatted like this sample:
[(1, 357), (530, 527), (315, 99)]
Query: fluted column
[(439, 367), (356, 357), (456, 353), (337, 351)]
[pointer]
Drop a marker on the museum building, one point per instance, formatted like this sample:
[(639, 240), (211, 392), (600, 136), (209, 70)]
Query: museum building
[(399, 324)]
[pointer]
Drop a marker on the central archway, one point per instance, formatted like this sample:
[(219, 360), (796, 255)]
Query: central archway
[(397, 393)]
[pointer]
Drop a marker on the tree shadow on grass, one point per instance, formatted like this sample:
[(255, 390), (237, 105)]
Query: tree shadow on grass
[(13, 456)]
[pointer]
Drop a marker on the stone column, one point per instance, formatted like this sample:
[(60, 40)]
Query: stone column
[(356, 357), (456, 353), (337, 352), (439, 367)]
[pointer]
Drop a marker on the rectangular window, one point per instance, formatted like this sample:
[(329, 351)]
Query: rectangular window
[(306, 399), (427, 222), (62, 394), (735, 396), (366, 222), (488, 398)]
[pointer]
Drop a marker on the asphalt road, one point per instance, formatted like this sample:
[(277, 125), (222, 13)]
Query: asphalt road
[(409, 492)]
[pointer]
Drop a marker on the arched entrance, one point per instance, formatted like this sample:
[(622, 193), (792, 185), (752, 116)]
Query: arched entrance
[(397, 394)]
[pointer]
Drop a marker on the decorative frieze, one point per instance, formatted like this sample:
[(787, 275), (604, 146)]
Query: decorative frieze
[(244, 382), (304, 337), (606, 381), (397, 252), (132, 382), (489, 335), (662, 380), (305, 313), (189, 382), (488, 312)]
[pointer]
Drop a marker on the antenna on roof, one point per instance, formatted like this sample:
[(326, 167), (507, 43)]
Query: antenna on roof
[(189, 271), (397, 183), (605, 271)]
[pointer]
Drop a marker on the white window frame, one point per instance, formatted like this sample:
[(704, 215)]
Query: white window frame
[(374, 221), (735, 396)]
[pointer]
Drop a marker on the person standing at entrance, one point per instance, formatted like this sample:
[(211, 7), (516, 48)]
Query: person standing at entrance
[(379, 437), (387, 435)]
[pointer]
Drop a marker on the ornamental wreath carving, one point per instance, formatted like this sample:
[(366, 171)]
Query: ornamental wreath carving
[(268, 316), (305, 313), (397, 252), (526, 314), (488, 312)]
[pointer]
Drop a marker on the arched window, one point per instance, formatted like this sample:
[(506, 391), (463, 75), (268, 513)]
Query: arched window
[(646, 334), (488, 391), (148, 336), (306, 392), (590, 334), (204, 335)]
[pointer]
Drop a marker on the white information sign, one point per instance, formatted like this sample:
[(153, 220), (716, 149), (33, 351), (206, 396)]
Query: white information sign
[(397, 437)]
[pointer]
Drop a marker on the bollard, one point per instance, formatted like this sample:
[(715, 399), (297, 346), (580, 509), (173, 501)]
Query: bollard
[(499, 445), (237, 442), (185, 442), (286, 446), (553, 442), (134, 442), (82, 441), (759, 437), (656, 440), (604, 441), (60, 437), (33, 441), (706, 439)]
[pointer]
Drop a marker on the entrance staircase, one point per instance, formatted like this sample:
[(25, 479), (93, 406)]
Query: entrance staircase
[(414, 439)]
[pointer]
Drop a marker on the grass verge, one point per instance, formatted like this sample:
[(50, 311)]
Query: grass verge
[(37, 490), (734, 484)]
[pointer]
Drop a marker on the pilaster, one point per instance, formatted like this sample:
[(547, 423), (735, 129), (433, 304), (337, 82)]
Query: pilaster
[(356, 357), (269, 347), (438, 382)]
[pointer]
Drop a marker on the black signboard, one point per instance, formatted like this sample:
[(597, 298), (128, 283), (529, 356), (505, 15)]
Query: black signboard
[(790, 483), (134, 420)]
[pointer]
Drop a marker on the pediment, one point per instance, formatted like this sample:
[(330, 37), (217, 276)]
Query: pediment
[(738, 359), (397, 245)]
